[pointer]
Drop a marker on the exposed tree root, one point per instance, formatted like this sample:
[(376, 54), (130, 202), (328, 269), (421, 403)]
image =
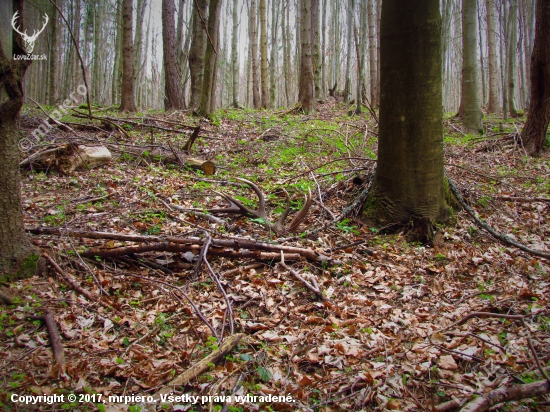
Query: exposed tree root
[(503, 238)]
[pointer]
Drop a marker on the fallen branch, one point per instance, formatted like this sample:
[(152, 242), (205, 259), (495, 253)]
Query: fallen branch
[(58, 368), (503, 238), (202, 366), (73, 284), (248, 246), (506, 394)]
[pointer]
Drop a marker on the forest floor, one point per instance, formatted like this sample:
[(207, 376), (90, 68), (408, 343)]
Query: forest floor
[(381, 335)]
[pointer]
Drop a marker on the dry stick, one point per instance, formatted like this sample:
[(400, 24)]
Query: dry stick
[(180, 290), (82, 65), (57, 122), (323, 165), (523, 199), (202, 366), (206, 216), (217, 280), (38, 154), (193, 243), (534, 352), (503, 238), (506, 394), (58, 369), (238, 270), (90, 116), (69, 280)]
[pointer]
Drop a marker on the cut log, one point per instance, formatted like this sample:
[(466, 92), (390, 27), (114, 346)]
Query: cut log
[(207, 167)]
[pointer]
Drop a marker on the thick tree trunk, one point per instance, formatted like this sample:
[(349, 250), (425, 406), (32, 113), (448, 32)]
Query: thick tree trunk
[(535, 131), (206, 104), (410, 180), (494, 103), (471, 110), (197, 50), (256, 99), (16, 252), (174, 95), (512, 56), (128, 103), (307, 83)]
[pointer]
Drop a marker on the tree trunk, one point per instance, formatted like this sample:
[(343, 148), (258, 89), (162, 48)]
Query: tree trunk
[(361, 69), (210, 58), (494, 105), (286, 53), (307, 83), (347, 84), (172, 84), (471, 110), (128, 103), (16, 252), (502, 59), (512, 56), (372, 54), (54, 35), (535, 131), (323, 51), (410, 180), (274, 53), (235, 55), (115, 83), (263, 54), (197, 50), (315, 42), (256, 99)]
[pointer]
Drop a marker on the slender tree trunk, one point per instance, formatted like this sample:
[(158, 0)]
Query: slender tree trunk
[(323, 52), (494, 104), (235, 55), (286, 52), (361, 70), (512, 56), (372, 54), (502, 60), (471, 109), (481, 61), (256, 99), (54, 35), (274, 53), (128, 103), (210, 58), (347, 85), (307, 83), (263, 54), (17, 255), (410, 180), (535, 133), (197, 50), (174, 97), (315, 42)]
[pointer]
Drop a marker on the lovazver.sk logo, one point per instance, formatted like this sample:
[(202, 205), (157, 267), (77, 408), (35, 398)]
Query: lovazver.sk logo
[(28, 41)]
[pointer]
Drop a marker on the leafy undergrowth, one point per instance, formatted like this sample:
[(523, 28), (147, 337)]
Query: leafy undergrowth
[(386, 338)]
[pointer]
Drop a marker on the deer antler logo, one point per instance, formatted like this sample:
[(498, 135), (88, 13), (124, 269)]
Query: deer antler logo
[(28, 40)]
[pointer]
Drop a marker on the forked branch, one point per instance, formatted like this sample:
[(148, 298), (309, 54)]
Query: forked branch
[(278, 227)]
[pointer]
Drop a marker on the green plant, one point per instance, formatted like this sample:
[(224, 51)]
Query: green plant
[(344, 226)]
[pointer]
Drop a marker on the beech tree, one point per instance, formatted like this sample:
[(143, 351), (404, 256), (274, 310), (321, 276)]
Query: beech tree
[(263, 54), (128, 102), (409, 181), (196, 51), (534, 133), (253, 32), (494, 104), (306, 93), (17, 255), (471, 109), (174, 96), (206, 105)]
